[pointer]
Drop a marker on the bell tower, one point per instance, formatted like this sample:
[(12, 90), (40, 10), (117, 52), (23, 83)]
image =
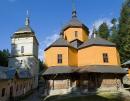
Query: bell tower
[(24, 50)]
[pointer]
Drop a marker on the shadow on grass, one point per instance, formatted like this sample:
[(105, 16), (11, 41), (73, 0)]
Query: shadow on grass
[(89, 97)]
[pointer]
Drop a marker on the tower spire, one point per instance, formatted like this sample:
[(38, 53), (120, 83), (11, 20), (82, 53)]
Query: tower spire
[(27, 21), (74, 13)]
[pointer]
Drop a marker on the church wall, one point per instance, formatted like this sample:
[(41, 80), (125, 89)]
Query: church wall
[(85, 35), (35, 48), (18, 42), (73, 57), (93, 56), (24, 62), (51, 56), (22, 86), (70, 34), (4, 84), (19, 87)]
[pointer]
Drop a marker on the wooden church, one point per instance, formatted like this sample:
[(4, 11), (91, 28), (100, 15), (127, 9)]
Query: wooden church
[(79, 64)]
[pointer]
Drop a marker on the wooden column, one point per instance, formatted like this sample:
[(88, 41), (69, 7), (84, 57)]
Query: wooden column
[(53, 84)]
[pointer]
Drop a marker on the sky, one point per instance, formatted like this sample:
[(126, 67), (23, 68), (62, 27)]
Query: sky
[(47, 17)]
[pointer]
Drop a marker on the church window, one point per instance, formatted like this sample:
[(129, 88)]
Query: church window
[(21, 61), (105, 57), (22, 49), (59, 58), (3, 92), (76, 33)]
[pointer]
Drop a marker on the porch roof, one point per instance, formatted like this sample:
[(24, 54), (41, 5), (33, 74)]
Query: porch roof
[(102, 69), (84, 69), (54, 70)]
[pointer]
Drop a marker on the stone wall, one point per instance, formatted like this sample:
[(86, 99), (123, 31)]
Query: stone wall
[(14, 88)]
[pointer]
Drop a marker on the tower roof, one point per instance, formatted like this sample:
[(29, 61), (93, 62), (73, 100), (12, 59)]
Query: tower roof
[(97, 41), (74, 23), (26, 30)]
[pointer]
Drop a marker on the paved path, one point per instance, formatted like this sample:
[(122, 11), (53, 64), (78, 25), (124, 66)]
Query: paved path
[(33, 97)]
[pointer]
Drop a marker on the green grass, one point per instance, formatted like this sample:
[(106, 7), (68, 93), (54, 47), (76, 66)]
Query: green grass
[(96, 97)]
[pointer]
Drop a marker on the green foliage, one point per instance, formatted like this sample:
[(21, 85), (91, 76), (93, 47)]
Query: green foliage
[(42, 66), (124, 32), (4, 54), (114, 31), (103, 31)]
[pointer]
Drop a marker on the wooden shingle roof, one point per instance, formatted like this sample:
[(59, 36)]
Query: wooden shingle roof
[(97, 41), (60, 42)]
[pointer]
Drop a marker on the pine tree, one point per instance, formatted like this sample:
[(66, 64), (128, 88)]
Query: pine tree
[(4, 54), (114, 31), (124, 32), (103, 30)]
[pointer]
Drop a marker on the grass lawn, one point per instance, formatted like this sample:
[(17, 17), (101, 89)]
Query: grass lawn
[(96, 97)]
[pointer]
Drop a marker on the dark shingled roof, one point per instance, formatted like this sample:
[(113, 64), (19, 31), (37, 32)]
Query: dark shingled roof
[(74, 22), (127, 63), (76, 43), (59, 70), (97, 41), (24, 32), (102, 69), (60, 42), (24, 73), (25, 29), (7, 73), (85, 69)]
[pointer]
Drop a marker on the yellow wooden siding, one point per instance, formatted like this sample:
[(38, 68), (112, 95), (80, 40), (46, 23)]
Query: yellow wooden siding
[(73, 59), (93, 56), (69, 34), (51, 56)]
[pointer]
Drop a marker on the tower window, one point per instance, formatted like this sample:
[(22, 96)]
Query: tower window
[(59, 56), (76, 33), (105, 57), (3, 92), (21, 61), (22, 49)]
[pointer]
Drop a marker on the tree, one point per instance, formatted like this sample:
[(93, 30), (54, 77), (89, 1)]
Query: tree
[(103, 31), (114, 31), (42, 66), (4, 54), (124, 32)]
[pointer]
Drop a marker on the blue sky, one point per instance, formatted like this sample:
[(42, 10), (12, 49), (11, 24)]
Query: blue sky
[(48, 16)]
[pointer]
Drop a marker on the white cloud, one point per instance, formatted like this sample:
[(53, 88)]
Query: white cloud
[(45, 43), (98, 22)]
